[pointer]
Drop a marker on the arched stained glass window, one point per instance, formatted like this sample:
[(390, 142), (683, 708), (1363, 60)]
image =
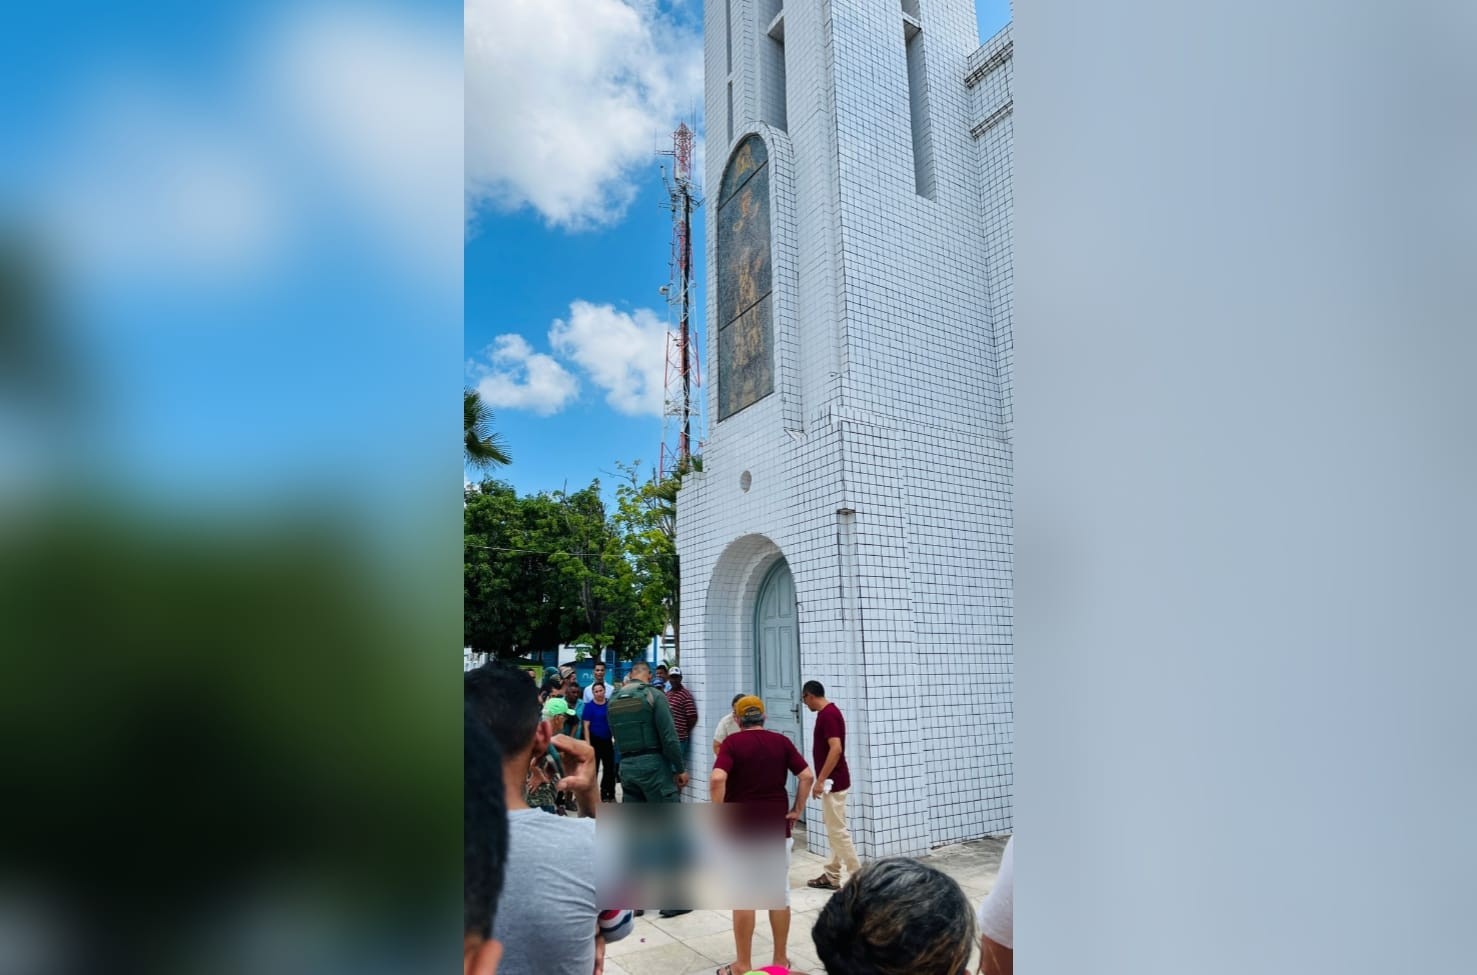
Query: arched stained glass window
[(745, 275)]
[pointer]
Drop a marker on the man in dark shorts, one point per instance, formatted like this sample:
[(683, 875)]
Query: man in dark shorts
[(751, 772)]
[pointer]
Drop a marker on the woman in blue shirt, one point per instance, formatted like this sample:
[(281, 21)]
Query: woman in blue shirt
[(597, 733)]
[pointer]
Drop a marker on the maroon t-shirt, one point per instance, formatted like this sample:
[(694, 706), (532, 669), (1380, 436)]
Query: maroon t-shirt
[(829, 724), (758, 764)]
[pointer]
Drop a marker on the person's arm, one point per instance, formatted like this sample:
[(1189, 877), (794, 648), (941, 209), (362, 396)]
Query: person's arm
[(796, 763), (718, 778), (579, 768), (995, 959), (587, 729), (667, 732), (806, 778), (832, 757)]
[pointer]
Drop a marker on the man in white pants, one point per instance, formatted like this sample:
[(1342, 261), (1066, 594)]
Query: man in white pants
[(829, 753)]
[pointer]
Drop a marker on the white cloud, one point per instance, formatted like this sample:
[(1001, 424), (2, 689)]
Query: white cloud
[(319, 117), (155, 188), (567, 102), (378, 96), (516, 377), (624, 354)]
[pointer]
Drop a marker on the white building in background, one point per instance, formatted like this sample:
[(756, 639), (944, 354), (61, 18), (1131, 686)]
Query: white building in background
[(852, 522)]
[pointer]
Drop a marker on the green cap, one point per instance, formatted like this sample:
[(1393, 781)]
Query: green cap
[(557, 707)]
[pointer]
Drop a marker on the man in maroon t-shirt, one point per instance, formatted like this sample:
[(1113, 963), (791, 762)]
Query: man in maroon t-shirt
[(752, 769), (830, 764)]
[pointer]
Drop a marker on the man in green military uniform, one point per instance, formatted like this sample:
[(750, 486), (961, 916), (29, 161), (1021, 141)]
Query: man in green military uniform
[(652, 769)]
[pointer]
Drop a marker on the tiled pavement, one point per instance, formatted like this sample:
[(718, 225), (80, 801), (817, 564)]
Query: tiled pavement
[(700, 942)]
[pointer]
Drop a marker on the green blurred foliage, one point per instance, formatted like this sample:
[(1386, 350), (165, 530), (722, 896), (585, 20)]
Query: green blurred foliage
[(205, 710)]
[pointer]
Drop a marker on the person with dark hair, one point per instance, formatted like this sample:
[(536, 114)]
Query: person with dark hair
[(484, 845), (652, 767), (896, 917), (832, 784), (597, 733), (660, 680), (574, 721), (684, 709), (552, 685), (751, 773), (546, 920), (727, 725), (589, 694)]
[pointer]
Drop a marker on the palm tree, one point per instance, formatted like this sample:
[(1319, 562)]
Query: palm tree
[(482, 449)]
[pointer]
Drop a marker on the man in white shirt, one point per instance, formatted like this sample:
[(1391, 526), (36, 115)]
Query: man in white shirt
[(599, 679), (728, 725)]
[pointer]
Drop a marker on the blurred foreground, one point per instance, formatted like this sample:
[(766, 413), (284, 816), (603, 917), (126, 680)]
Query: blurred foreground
[(230, 293)]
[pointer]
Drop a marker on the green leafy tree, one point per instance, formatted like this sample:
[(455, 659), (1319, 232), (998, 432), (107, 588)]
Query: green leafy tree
[(482, 448), (510, 593), (647, 516), (551, 568)]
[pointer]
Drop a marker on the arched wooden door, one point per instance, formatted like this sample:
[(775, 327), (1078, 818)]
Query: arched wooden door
[(777, 654)]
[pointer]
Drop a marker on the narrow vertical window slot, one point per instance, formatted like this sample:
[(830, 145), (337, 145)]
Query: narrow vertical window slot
[(728, 31), (772, 95), (923, 181)]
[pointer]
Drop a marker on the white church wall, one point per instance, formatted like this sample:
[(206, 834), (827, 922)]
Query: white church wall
[(880, 467)]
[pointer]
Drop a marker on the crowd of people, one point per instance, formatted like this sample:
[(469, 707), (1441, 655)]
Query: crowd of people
[(542, 758)]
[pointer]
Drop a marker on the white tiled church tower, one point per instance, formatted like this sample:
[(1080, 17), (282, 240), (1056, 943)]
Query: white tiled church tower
[(852, 522)]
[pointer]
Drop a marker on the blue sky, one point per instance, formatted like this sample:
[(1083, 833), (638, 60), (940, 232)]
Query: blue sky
[(568, 241), (256, 216), (252, 213)]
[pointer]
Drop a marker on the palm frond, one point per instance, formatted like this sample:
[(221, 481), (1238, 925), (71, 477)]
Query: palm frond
[(482, 447)]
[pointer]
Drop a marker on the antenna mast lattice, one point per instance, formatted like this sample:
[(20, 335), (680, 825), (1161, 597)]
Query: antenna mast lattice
[(682, 410)]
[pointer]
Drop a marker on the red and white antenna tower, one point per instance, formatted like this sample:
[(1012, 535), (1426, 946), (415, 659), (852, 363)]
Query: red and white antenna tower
[(682, 413)]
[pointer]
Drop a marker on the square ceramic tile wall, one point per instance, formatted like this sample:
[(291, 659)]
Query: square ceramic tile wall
[(880, 469)]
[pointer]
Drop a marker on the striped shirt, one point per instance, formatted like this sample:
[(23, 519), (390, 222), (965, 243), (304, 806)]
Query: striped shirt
[(684, 712)]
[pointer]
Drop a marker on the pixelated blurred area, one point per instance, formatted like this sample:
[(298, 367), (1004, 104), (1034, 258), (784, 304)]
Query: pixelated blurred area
[(692, 857), (229, 333)]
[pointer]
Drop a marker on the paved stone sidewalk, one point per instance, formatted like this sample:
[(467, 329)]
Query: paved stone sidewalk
[(700, 942)]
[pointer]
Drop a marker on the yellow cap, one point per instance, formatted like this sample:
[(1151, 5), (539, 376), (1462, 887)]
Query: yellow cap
[(748, 704)]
